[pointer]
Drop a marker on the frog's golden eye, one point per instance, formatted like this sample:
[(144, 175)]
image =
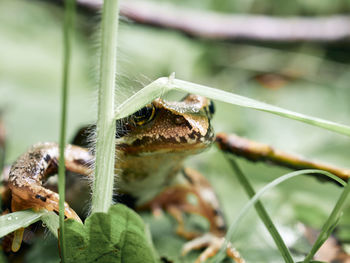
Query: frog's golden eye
[(144, 115)]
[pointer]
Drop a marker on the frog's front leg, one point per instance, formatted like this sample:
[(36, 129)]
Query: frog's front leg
[(176, 200), (30, 171)]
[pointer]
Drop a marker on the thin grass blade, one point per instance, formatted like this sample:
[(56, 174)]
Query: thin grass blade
[(242, 101), (163, 85), (69, 13), (264, 216), (234, 226), (329, 224)]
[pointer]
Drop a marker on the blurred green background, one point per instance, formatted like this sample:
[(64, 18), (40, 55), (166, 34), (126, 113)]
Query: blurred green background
[(311, 78)]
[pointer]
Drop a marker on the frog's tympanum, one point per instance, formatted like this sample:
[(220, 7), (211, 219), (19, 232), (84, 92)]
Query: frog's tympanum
[(151, 146)]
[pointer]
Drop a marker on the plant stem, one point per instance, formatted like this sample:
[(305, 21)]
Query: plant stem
[(67, 38), (329, 225), (264, 216), (105, 148)]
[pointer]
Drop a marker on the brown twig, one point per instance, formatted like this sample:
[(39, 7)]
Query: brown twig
[(213, 25), (255, 151)]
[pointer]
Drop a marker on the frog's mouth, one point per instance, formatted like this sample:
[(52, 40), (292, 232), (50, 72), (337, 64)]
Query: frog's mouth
[(189, 144)]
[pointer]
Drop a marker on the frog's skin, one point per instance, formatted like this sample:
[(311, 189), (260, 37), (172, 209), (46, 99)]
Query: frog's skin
[(151, 146), (151, 155)]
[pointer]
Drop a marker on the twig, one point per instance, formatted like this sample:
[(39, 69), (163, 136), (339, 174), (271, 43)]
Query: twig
[(213, 25), (255, 151)]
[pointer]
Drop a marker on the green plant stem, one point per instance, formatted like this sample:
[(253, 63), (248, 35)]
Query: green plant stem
[(262, 213), (105, 147), (330, 224), (67, 38)]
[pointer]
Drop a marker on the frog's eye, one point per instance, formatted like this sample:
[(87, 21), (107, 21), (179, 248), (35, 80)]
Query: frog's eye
[(211, 107), (144, 115)]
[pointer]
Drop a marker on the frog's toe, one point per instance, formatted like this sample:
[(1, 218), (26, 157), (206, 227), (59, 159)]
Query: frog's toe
[(212, 245)]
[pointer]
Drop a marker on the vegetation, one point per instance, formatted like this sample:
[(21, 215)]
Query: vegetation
[(305, 77)]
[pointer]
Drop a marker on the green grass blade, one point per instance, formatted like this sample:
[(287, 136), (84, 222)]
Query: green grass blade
[(105, 147), (67, 39), (234, 226), (16, 220), (264, 216), (329, 224), (154, 90), (238, 100), (163, 85)]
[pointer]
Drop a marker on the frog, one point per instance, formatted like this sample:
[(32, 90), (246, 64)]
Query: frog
[(151, 147)]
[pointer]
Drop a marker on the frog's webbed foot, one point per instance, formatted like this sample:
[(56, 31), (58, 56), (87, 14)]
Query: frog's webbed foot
[(195, 196), (212, 245)]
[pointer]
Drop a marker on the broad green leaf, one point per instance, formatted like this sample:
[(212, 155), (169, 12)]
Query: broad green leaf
[(118, 236)]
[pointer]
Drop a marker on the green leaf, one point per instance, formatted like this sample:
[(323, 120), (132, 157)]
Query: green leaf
[(118, 236), (16, 220)]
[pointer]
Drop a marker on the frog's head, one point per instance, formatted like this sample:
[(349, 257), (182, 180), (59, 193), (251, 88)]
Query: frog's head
[(163, 127)]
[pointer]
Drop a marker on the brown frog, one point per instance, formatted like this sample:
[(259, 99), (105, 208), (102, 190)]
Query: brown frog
[(151, 147)]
